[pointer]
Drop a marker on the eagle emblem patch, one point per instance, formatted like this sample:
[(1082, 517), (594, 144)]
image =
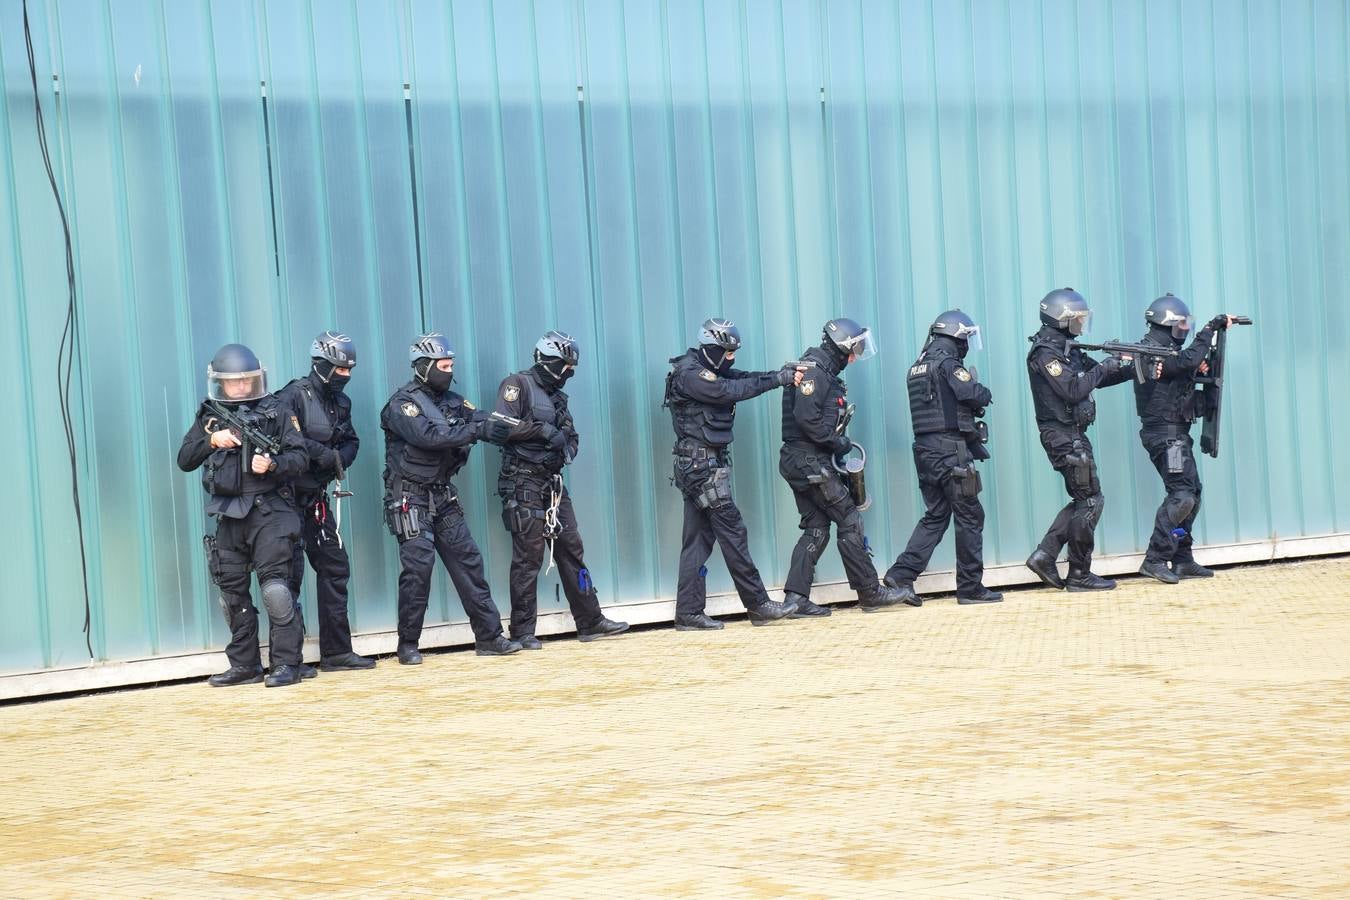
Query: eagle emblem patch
[(410, 409), (511, 393), (706, 375), (807, 388), (961, 374), (1054, 368)]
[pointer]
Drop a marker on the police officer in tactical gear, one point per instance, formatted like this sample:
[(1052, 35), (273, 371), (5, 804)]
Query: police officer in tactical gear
[(945, 400), (702, 391), (1063, 378), (1167, 407), (324, 411), (257, 528), (815, 435), (536, 507), (429, 430)]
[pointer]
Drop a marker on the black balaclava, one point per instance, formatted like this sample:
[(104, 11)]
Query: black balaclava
[(837, 353), (1164, 333), (715, 357), (332, 381), (955, 346), (432, 377), (553, 372)]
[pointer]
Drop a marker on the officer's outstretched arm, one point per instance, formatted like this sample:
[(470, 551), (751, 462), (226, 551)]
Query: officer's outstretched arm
[(420, 431), (1068, 385), (705, 386), (1187, 361)]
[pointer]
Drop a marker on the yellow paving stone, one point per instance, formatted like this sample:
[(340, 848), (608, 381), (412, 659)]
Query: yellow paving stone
[(1186, 741)]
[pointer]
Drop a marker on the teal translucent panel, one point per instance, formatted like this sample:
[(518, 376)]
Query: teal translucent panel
[(261, 171)]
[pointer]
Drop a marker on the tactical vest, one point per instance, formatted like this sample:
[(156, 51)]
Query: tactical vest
[(933, 405), (1170, 401), (318, 424), (702, 423), (1049, 407), (541, 408), (226, 473), (422, 465)]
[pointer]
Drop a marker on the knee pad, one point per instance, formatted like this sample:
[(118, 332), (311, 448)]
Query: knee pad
[(278, 602), (232, 608), (1179, 506)]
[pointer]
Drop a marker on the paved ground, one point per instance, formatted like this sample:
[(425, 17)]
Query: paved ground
[(1174, 742)]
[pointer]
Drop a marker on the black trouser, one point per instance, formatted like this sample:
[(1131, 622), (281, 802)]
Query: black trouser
[(935, 455), (442, 531), (263, 542), (526, 498), (1182, 503), (712, 518), (331, 571), (822, 498), (1070, 452)]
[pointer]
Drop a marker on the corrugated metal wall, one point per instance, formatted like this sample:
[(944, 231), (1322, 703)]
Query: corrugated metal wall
[(622, 170)]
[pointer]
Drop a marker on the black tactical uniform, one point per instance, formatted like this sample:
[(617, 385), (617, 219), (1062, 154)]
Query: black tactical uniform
[(1167, 407), (256, 525), (429, 430), (1063, 378), (702, 391), (536, 507), (815, 418), (945, 398), (325, 416)]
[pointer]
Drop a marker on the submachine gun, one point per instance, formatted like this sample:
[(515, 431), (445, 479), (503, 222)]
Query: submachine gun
[(1140, 352), (1211, 389), (251, 440)]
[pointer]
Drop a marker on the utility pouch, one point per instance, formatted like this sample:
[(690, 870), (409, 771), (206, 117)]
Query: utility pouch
[(212, 558), (716, 490), (1176, 458), (223, 475), (403, 519), (1080, 467), (967, 480)]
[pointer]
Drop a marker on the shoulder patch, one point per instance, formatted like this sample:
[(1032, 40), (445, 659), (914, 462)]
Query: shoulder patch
[(707, 375), (295, 422), (511, 393), (807, 388), (961, 373), (411, 409), (1055, 368), (468, 405)]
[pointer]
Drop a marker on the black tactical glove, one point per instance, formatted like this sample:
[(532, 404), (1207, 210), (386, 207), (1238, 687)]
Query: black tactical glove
[(785, 375), (494, 431), (1219, 322), (841, 445), (556, 439), (335, 463)]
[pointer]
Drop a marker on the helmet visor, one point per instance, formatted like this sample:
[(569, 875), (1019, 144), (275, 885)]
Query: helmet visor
[(236, 387), (1180, 325), (861, 346), (1076, 321), (971, 335)]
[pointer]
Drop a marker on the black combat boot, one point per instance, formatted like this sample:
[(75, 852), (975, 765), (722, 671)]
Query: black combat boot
[(1083, 580), (805, 608), (697, 622), (529, 642), (879, 598), (770, 611), (981, 594), (307, 672), (282, 676), (409, 655), (1158, 569), (602, 629), (343, 661), (498, 646), (1042, 565), (906, 589), (1191, 569), (237, 675)]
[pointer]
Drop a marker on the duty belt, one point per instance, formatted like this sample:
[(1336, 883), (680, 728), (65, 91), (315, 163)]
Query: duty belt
[(692, 450), (804, 446), (512, 468)]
